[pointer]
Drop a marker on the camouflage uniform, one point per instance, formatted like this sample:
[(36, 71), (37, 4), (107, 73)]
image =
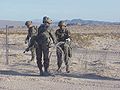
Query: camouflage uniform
[(43, 40), (32, 32), (62, 35)]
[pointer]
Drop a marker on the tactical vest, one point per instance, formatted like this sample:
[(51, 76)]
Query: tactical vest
[(62, 35)]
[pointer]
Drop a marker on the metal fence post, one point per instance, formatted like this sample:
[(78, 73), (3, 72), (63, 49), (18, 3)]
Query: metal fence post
[(7, 62)]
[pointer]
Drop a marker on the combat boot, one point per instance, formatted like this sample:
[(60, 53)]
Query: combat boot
[(67, 69), (46, 72), (32, 59), (59, 68), (41, 72)]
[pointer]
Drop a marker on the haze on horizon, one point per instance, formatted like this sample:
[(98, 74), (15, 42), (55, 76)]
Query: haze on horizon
[(102, 10)]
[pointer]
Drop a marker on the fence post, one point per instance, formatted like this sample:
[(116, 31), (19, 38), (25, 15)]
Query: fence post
[(7, 62)]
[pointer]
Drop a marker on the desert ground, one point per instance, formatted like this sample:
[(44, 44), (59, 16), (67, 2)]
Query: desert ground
[(95, 63)]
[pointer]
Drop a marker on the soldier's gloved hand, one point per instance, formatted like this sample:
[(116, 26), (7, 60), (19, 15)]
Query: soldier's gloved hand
[(26, 41), (68, 40), (27, 49), (55, 43)]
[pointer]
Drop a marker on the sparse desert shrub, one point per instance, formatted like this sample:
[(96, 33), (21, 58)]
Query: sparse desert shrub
[(82, 39)]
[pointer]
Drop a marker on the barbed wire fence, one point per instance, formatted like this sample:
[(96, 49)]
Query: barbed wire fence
[(87, 60), (4, 45), (7, 45), (7, 49), (98, 61)]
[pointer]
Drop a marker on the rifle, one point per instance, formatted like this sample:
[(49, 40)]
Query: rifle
[(26, 50)]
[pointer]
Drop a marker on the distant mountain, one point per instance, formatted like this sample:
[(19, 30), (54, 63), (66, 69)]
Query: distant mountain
[(80, 22), (90, 22), (3, 23)]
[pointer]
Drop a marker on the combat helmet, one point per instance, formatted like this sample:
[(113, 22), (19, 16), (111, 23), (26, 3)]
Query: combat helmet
[(62, 23), (28, 22), (47, 20)]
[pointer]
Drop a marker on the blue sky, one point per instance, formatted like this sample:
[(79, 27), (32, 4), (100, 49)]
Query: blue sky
[(107, 10)]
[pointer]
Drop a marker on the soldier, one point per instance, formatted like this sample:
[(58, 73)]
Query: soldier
[(63, 35), (43, 40), (32, 32)]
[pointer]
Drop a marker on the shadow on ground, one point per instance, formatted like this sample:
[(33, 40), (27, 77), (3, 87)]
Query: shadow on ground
[(15, 73), (86, 76), (72, 74)]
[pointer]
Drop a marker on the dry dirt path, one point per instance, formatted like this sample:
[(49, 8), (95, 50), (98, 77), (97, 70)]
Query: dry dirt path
[(27, 78)]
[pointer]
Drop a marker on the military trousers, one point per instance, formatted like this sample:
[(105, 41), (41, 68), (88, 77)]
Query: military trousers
[(42, 50), (32, 49), (32, 53), (65, 55)]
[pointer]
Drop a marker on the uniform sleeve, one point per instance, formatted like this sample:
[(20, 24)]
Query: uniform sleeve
[(32, 41), (56, 35), (33, 35), (39, 29), (52, 35), (28, 35), (34, 31), (68, 34)]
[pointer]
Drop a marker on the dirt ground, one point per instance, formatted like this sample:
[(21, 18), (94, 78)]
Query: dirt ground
[(92, 67), (20, 75)]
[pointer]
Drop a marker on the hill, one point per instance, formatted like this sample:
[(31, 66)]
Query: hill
[(3, 23)]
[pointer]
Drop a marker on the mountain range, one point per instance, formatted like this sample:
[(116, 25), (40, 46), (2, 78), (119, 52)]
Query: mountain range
[(3, 23)]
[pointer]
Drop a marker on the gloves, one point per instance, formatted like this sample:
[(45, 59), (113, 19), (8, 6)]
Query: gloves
[(26, 50), (54, 42), (26, 41), (68, 40)]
